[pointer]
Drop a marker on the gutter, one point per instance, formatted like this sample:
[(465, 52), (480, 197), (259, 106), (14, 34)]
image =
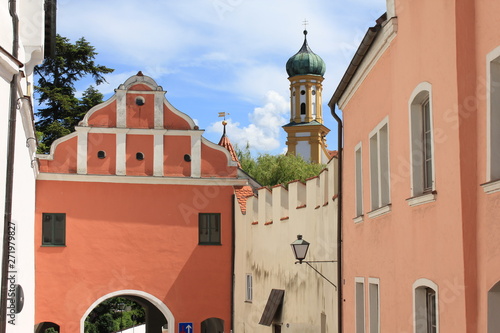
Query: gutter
[(340, 298), (356, 61), (233, 250), (9, 181)]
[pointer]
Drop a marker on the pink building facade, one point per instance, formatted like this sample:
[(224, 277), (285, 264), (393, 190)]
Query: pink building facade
[(421, 200)]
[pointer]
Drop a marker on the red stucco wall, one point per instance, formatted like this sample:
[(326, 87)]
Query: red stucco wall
[(140, 237)]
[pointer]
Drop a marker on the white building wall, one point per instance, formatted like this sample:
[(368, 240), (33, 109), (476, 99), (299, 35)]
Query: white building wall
[(31, 29), (263, 250)]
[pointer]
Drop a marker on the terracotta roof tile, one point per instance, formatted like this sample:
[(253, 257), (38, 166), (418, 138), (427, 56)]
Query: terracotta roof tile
[(242, 193), (224, 142), (333, 153)]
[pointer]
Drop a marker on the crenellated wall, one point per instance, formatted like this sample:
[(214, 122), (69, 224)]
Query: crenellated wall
[(273, 219)]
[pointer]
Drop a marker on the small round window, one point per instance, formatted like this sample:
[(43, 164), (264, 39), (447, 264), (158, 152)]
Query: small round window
[(139, 156), (101, 154), (302, 92), (140, 100), (313, 92)]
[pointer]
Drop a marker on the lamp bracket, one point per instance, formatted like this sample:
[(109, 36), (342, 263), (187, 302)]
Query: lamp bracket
[(324, 277), (313, 261)]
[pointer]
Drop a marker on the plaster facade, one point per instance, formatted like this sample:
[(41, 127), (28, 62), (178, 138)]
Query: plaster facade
[(430, 248), (133, 182), (272, 221), (16, 69)]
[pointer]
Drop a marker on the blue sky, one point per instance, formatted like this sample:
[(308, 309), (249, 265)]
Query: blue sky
[(216, 56)]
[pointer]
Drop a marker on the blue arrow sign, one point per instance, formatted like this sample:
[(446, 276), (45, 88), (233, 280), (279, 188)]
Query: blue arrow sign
[(185, 327)]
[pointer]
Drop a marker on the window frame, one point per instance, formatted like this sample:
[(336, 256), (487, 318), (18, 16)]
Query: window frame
[(423, 182), (358, 183), (53, 229), (422, 310), (492, 121), (430, 297), (379, 161), (359, 305), (248, 288), (374, 304), (217, 229)]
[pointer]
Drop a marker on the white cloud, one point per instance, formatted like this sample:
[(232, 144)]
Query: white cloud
[(221, 54), (263, 132)]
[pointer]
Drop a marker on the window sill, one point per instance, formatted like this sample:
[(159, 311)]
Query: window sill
[(358, 219), (492, 186), (422, 199), (379, 211)]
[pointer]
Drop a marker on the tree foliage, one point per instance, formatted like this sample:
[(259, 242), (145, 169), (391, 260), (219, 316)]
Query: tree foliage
[(270, 170), (61, 110), (114, 314)]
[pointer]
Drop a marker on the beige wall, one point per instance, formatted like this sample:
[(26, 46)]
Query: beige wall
[(263, 236)]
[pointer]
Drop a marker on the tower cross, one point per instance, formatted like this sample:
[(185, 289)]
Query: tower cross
[(305, 23)]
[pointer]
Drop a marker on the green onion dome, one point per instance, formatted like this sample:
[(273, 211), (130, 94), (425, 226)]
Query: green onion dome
[(305, 62)]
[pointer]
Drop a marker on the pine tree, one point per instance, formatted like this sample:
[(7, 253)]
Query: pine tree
[(58, 75)]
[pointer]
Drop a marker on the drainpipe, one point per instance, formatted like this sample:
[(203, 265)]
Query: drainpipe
[(339, 217), (233, 250), (10, 170)]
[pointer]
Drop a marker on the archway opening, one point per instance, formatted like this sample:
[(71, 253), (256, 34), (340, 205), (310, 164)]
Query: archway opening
[(115, 314), (125, 313), (212, 325), (47, 327)]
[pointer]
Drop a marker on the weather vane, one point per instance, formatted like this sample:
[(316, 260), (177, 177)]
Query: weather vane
[(223, 114)]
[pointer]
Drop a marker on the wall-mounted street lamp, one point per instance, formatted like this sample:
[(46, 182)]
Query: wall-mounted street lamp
[(300, 247)]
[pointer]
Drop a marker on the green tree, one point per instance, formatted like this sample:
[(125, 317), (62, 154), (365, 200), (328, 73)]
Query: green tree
[(113, 314), (61, 110), (270, 170), (107, 324)]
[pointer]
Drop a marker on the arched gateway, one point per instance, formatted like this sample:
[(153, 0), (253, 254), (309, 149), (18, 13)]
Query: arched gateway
[(158, 315)]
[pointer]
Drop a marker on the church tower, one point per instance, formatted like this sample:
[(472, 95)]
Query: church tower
[(306, 132)]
